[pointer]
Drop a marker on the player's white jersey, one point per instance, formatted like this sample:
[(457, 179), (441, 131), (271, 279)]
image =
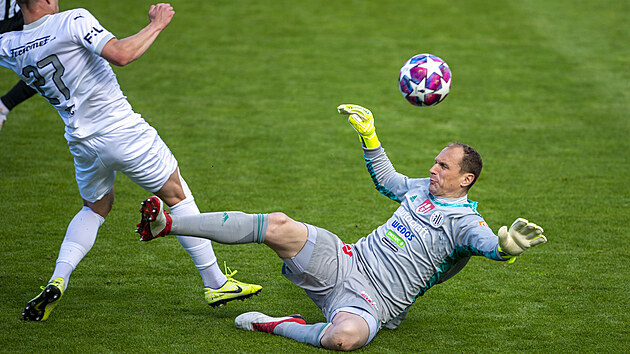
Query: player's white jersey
[(426, 241), (59, 56)]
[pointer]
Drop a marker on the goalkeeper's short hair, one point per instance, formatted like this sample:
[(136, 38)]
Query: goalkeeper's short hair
[(471, 162)]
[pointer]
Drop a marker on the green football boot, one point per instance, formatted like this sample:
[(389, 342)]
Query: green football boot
[(42, 305)]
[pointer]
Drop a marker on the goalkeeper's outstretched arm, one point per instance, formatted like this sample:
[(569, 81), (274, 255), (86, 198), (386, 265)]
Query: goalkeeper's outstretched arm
[(386, 180)]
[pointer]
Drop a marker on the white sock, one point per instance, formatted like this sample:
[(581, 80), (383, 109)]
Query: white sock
[(79, 239), (199, 249)]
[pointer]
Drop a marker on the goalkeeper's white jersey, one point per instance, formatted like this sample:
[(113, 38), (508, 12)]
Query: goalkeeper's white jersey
[(426, 241), (59, 56)]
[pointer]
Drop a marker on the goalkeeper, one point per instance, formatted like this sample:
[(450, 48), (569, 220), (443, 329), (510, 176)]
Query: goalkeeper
[(371, 284)]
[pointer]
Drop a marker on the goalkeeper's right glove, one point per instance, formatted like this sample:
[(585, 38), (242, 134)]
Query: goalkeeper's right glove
[(362, 121), (521, 236)]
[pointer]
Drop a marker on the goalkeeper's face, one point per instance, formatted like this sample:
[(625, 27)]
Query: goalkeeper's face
[(447, 178)]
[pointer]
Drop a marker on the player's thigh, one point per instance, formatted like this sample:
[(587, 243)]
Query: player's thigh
[(174, 190), (140, 154), (315, 267), (94, 179), (284, 235)]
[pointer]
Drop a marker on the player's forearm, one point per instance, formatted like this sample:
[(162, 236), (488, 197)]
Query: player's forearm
[(124, 51), (379, 165), (382, 171)]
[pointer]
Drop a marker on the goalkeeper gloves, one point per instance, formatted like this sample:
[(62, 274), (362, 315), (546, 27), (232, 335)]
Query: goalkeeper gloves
[(362, 121), (521, 236)]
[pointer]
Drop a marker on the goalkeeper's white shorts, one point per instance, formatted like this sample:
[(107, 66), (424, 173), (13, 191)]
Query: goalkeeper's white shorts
[(135, 150)]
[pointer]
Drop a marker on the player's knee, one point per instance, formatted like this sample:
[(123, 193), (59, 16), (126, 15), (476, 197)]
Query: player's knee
[(285, 235), (278, 222), (102, 206), (343, 337)]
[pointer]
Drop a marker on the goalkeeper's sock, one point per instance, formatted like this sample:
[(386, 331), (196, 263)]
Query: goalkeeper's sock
[(231, 227), (309, 334)]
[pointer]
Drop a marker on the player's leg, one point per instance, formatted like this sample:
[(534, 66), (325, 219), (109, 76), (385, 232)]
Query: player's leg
[(81, 235), (285, 236), (219, 288), (348, 327), (316, 281), (318, 268), (278, 231), (348, 331), (177, 196), (96, 186), (79, 239), (291, 326), (150, 164)]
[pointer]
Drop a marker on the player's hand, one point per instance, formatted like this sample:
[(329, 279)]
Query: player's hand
[(520, 237), (4, 111), (362, 121), (3, 118), (161, 15)]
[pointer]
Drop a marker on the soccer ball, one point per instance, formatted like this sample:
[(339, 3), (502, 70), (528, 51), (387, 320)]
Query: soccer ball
[(424, 80)]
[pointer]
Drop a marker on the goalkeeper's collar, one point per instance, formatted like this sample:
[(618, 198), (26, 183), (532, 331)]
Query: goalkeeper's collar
[(454, 202)]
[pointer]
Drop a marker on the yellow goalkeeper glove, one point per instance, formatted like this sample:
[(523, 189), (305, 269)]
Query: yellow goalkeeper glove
[(521, 236), (362, 121)]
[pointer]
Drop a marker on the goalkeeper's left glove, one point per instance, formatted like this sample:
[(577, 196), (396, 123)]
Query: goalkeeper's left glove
[(362, 121), (521, 236)]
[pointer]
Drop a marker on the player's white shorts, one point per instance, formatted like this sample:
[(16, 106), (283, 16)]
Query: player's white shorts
[(136, 150)]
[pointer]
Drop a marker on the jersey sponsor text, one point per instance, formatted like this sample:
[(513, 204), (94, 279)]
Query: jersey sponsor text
[(39, 42)]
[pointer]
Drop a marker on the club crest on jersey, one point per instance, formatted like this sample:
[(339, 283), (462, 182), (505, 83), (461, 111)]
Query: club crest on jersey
[(425, 207), (437, 219)]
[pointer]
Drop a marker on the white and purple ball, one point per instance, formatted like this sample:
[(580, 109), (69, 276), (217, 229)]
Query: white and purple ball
[(424, 80)]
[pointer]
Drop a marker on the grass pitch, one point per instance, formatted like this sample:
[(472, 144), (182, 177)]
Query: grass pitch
[(244, 93)]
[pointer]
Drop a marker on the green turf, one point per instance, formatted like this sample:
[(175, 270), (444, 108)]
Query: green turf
[(244, 93)]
